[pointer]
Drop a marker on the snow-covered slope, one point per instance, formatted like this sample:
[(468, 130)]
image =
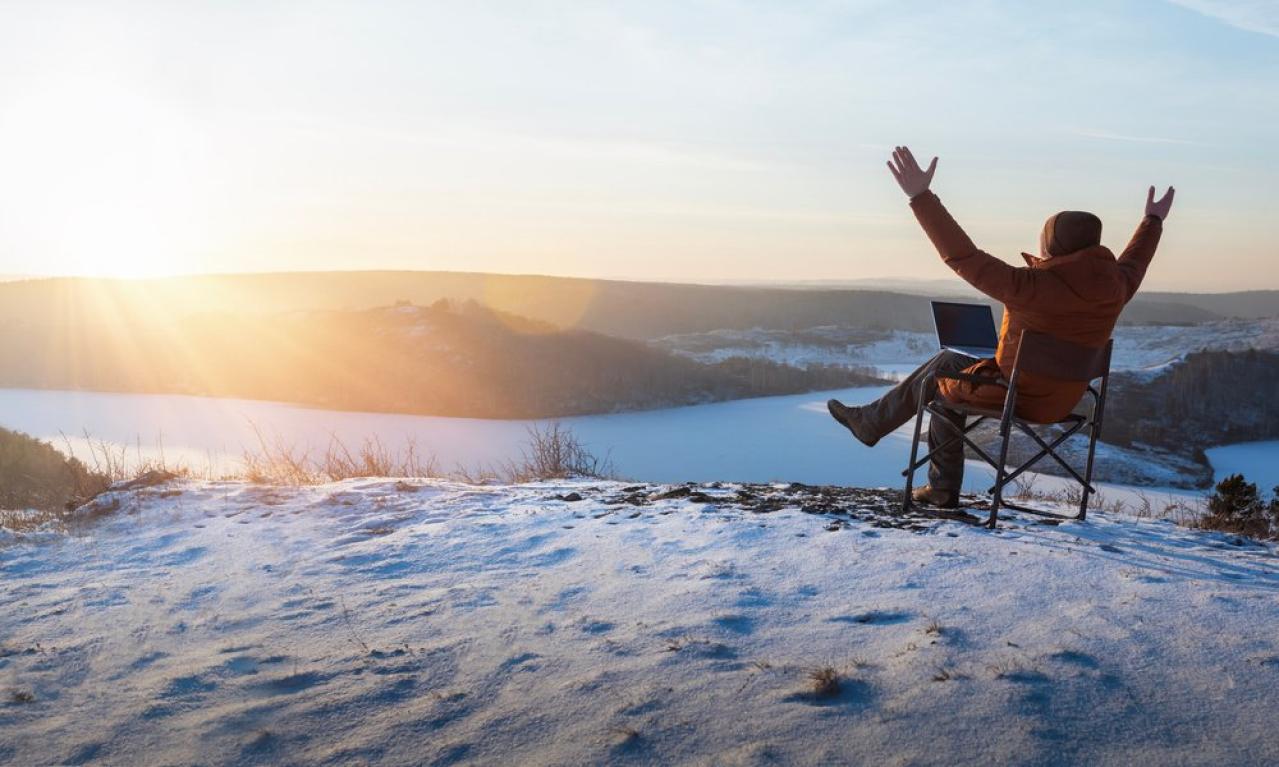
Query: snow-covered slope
[(414, 622), (1137, 347)]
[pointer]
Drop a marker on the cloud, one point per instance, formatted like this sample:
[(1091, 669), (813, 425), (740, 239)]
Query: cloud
[(1253, 15)]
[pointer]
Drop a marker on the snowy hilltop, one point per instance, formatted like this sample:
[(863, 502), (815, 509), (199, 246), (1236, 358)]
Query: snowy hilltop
[(578, 622)]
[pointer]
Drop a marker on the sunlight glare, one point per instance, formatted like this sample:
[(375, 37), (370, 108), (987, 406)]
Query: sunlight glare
[(110, 183)]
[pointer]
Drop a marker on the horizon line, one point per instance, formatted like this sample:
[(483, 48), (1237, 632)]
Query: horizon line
[(799, 283)]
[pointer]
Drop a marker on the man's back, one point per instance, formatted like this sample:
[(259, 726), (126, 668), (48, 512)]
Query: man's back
[(1076, 297), (1074, 292)]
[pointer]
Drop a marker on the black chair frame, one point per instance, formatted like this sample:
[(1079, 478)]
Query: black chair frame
[(1036, 353)]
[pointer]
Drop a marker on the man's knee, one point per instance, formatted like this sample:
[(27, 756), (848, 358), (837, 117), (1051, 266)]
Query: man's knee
[(953, 362), (944, 361)]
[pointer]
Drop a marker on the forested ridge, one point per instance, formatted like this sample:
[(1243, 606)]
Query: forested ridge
[(450, 358), (1208, 398)]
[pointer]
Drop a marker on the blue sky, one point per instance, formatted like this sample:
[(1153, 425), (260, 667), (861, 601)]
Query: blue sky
[(722, 140)]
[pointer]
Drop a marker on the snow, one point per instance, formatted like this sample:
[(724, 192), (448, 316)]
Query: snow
[(427, 622)]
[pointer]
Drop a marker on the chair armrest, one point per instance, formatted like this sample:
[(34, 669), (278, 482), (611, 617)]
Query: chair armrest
[(972, 378)]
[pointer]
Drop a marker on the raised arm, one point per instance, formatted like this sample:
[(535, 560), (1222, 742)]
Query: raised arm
[(997, 279), (1141, 248)]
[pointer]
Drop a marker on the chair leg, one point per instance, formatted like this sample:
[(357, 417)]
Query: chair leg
[(914, 454), (1000, 471), (1092, 450)]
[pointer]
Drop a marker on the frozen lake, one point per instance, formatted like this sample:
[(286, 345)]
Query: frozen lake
[(790, 439), (1257, 461)]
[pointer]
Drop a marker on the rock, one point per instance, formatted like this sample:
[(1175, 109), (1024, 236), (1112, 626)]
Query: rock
[(674, 492), (146, 479)]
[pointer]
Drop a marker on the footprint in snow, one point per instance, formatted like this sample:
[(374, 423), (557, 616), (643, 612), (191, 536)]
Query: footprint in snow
[(597, 627), (873, 617), (188, 685), (146, 660), (567, 596), (522, 662), (753, 597), (247, 665), (738, 624), (180, 694), (289, 685), (1074, 658), (197, 596)]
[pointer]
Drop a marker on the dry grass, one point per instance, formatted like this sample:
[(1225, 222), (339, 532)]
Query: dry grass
[(1179, 510), (675, 644), (550, 452), (1024, 486), (29, 520), (825, 681), (115, 463), (933, 627), (280, 462)]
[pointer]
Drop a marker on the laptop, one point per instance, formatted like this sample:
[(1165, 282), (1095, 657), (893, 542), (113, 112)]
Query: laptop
[(966, 328)]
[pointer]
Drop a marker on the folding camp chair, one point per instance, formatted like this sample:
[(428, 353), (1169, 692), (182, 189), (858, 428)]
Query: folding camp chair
[(1038, 354)]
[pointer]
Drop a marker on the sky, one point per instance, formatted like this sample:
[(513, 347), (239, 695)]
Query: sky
[(705, 140)]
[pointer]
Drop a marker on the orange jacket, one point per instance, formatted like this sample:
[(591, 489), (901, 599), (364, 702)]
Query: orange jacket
[(1075, 297)]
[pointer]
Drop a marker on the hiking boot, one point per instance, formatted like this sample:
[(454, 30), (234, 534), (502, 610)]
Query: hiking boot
[(851, 418), (942, 499)]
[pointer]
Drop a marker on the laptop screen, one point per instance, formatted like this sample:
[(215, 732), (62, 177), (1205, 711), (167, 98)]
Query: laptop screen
[(965, 325)]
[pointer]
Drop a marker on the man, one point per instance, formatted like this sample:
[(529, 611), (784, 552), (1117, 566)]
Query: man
[(1074, 290)]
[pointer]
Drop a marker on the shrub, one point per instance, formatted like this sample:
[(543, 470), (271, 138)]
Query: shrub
[(33, 475), (1236, 506), (555, 452)]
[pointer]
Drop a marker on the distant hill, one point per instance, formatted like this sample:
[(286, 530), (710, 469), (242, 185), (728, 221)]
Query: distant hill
[(1208, 398), (445, 359), (636, 310), (1248, 304)]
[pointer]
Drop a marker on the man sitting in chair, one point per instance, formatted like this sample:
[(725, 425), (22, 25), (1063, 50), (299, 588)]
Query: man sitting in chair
[(1073, 290)]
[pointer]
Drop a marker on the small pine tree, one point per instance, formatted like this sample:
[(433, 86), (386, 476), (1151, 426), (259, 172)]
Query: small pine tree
[(1234, 497), (1235, 506)]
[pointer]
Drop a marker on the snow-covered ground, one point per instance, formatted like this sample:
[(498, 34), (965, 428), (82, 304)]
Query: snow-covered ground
[(416, 622)]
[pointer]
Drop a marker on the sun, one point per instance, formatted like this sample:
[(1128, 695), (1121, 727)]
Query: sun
[(108, 183)]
